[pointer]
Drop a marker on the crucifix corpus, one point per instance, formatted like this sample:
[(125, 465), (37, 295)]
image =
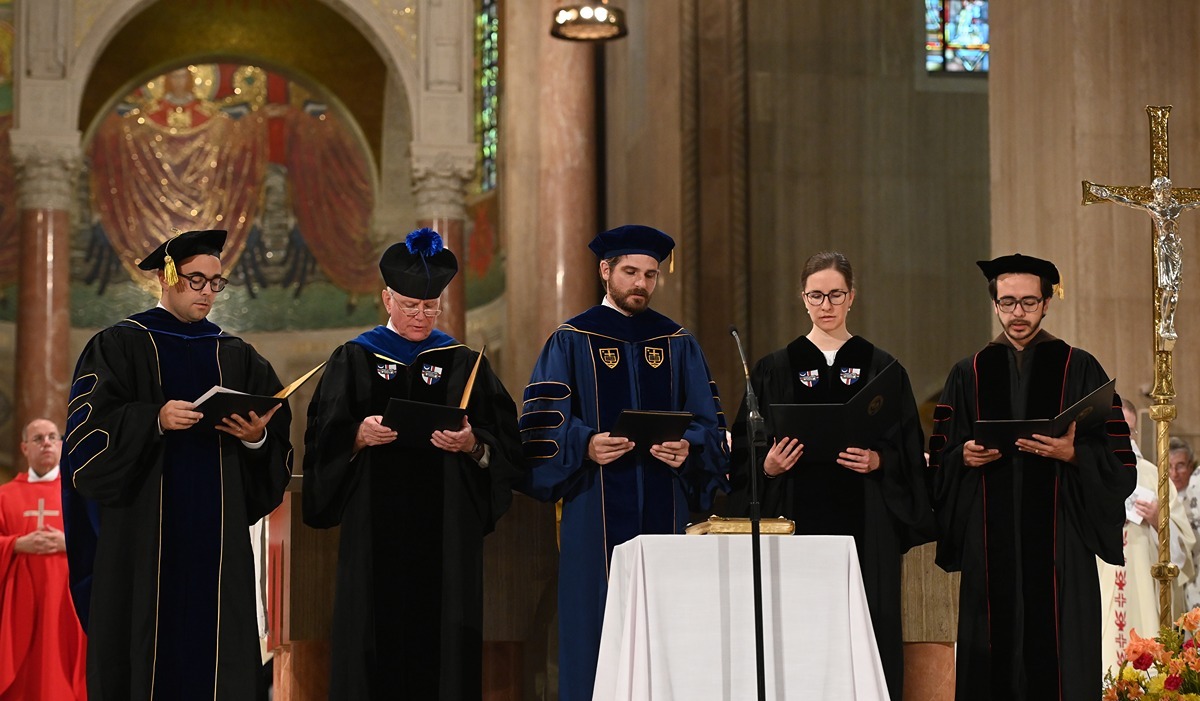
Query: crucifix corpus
[(1164, 203)]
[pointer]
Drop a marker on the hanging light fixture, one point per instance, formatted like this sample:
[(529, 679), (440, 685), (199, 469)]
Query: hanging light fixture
[(589, 21)]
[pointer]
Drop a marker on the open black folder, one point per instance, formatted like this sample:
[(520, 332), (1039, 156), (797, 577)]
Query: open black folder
[(828, 429), (647, 428), (221, 402), (415, 422), (1087, 413)]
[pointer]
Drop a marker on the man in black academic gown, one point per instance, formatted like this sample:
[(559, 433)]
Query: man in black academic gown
[(156, 507), (1025, 523), (414, 508)]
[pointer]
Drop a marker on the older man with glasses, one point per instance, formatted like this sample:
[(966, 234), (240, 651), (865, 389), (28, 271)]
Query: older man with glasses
[(157, 504), (408, 613), (44, 657), (1025, 522)]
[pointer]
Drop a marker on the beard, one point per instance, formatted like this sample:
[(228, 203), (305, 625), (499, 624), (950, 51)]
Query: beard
[(631, 301), (1022, 329)]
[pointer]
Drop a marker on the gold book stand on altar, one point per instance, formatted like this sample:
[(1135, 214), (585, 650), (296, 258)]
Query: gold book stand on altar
[(721, 525)]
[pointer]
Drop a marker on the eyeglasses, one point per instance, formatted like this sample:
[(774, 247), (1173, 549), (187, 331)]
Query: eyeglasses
[(818, 298), (47, 437), (413, 311), (197, 281), (1009, 304)]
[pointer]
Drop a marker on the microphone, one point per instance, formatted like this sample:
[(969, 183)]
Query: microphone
[(754, 419)]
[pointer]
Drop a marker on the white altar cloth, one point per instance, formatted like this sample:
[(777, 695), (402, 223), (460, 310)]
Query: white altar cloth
[(679, 621)]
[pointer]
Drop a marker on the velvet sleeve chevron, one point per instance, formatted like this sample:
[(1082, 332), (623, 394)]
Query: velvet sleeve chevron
[(112, 436), (1104, 473), (554, 436)]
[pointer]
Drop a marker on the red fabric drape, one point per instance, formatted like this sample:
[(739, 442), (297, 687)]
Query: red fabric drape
[(333, 198)]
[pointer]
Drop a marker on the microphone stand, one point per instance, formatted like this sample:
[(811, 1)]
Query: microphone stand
[(757, 436)]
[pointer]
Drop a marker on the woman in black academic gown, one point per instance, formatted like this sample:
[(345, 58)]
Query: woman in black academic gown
[(876, 494)]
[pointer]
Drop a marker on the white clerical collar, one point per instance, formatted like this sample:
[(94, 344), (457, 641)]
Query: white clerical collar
[(609, 303), (51, 475)]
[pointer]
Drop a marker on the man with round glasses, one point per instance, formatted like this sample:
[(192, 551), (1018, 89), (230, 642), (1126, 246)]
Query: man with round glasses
[(408, 611), (157, 508), (1024, 523)]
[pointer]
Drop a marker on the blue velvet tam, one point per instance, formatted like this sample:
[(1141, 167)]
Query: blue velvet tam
[(184, 246), (632, 239), (1017, 263), (420, 266)]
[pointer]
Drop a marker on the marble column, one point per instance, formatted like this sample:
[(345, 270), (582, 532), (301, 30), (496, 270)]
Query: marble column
[(439, 182), (46, 171), (548, 209)]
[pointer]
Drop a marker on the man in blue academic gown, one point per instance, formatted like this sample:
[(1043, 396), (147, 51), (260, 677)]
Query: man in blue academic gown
[(157, 506), (617, 355)]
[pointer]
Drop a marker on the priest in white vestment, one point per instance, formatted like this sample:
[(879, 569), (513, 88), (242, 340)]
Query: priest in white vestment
[(1129, 594)]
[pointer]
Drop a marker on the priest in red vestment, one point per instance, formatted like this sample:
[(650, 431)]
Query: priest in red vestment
[(42, 647)]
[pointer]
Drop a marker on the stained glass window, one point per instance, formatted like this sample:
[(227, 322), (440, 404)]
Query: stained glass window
[(487, 74), (956, 36)]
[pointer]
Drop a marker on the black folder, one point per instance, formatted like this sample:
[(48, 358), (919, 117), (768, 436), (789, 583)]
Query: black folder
[(415, 422), (647, 428), (1087, 413), (828, 429), (219, 403)]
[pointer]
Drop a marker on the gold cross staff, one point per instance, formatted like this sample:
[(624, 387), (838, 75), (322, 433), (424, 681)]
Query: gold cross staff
[(1164, 203), (41, 514)]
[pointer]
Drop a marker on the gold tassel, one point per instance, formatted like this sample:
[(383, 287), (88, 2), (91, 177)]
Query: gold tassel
[(169, 275), (671, 265), (1059, 290)]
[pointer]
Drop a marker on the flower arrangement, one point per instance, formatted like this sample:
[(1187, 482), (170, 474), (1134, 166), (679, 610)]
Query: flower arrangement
[(1166, 668)]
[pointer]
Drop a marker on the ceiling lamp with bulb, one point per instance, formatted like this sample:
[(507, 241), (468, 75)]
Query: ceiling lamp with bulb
[(589, 21)]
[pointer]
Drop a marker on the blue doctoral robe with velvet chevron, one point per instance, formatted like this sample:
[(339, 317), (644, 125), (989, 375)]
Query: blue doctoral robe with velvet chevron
[(592, 367), (158, 545)]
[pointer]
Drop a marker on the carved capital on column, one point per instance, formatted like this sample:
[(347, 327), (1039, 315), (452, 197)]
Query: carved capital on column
[(440, 176), (46, 169)]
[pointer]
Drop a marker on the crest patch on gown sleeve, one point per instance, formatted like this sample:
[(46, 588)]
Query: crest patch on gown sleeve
[(809, 378), (386, 370), (610, 357), (654, 356), (849, 376)]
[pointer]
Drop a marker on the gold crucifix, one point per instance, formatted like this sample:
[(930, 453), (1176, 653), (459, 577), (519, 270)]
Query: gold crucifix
[(1164, 203)]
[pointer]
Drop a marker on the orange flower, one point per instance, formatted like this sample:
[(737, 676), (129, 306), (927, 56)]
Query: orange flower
[(1144, 651), (1190, 621)]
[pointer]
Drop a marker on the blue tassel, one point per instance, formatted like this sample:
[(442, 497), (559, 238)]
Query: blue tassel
[(424, 242)]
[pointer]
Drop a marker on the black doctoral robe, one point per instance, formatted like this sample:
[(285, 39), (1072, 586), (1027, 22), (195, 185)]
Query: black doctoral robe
[(1025, 530), (158, 544), (886, 511), (408, 615)]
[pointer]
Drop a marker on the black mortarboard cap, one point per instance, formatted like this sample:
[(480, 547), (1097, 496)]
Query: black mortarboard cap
[(1017, 263), (185, 245), (632, 239), (420, 266)]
